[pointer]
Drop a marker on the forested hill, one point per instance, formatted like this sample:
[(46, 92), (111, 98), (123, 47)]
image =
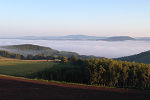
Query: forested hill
[(143, 57), (118, 38), (30, 49)]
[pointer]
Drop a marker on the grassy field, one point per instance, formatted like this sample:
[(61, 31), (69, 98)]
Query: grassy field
[(21, 68)]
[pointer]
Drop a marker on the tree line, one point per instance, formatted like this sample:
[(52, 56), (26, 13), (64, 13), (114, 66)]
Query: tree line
[(103, 72), (28, 57)]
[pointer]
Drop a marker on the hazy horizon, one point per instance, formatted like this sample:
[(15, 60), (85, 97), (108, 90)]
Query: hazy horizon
[(17, 35), (96, 48), (66, 17)]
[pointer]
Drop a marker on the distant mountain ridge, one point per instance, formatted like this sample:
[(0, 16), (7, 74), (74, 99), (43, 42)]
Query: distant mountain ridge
[(119, 38), (76, 37), (68, 37), (143, 38), (79, 37), (83, 37)]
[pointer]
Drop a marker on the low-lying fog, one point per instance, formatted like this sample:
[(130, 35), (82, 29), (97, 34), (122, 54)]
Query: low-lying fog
[(97, 48)]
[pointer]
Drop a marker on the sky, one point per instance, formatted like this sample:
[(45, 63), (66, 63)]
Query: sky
[(71, 17)]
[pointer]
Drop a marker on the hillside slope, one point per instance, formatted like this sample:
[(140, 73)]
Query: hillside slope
[(143, 57), (30, 49)]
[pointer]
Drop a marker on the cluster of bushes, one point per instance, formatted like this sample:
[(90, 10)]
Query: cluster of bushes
[(11, 55), (64, 71), (42, 57), (104, 72)]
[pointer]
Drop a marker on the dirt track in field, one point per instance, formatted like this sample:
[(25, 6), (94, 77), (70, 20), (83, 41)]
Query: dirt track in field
[(21, 89)]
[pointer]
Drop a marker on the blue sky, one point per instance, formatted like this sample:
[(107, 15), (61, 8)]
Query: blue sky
[(65, 17)]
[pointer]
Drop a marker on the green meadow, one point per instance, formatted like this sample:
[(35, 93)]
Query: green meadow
[(22, 68)]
